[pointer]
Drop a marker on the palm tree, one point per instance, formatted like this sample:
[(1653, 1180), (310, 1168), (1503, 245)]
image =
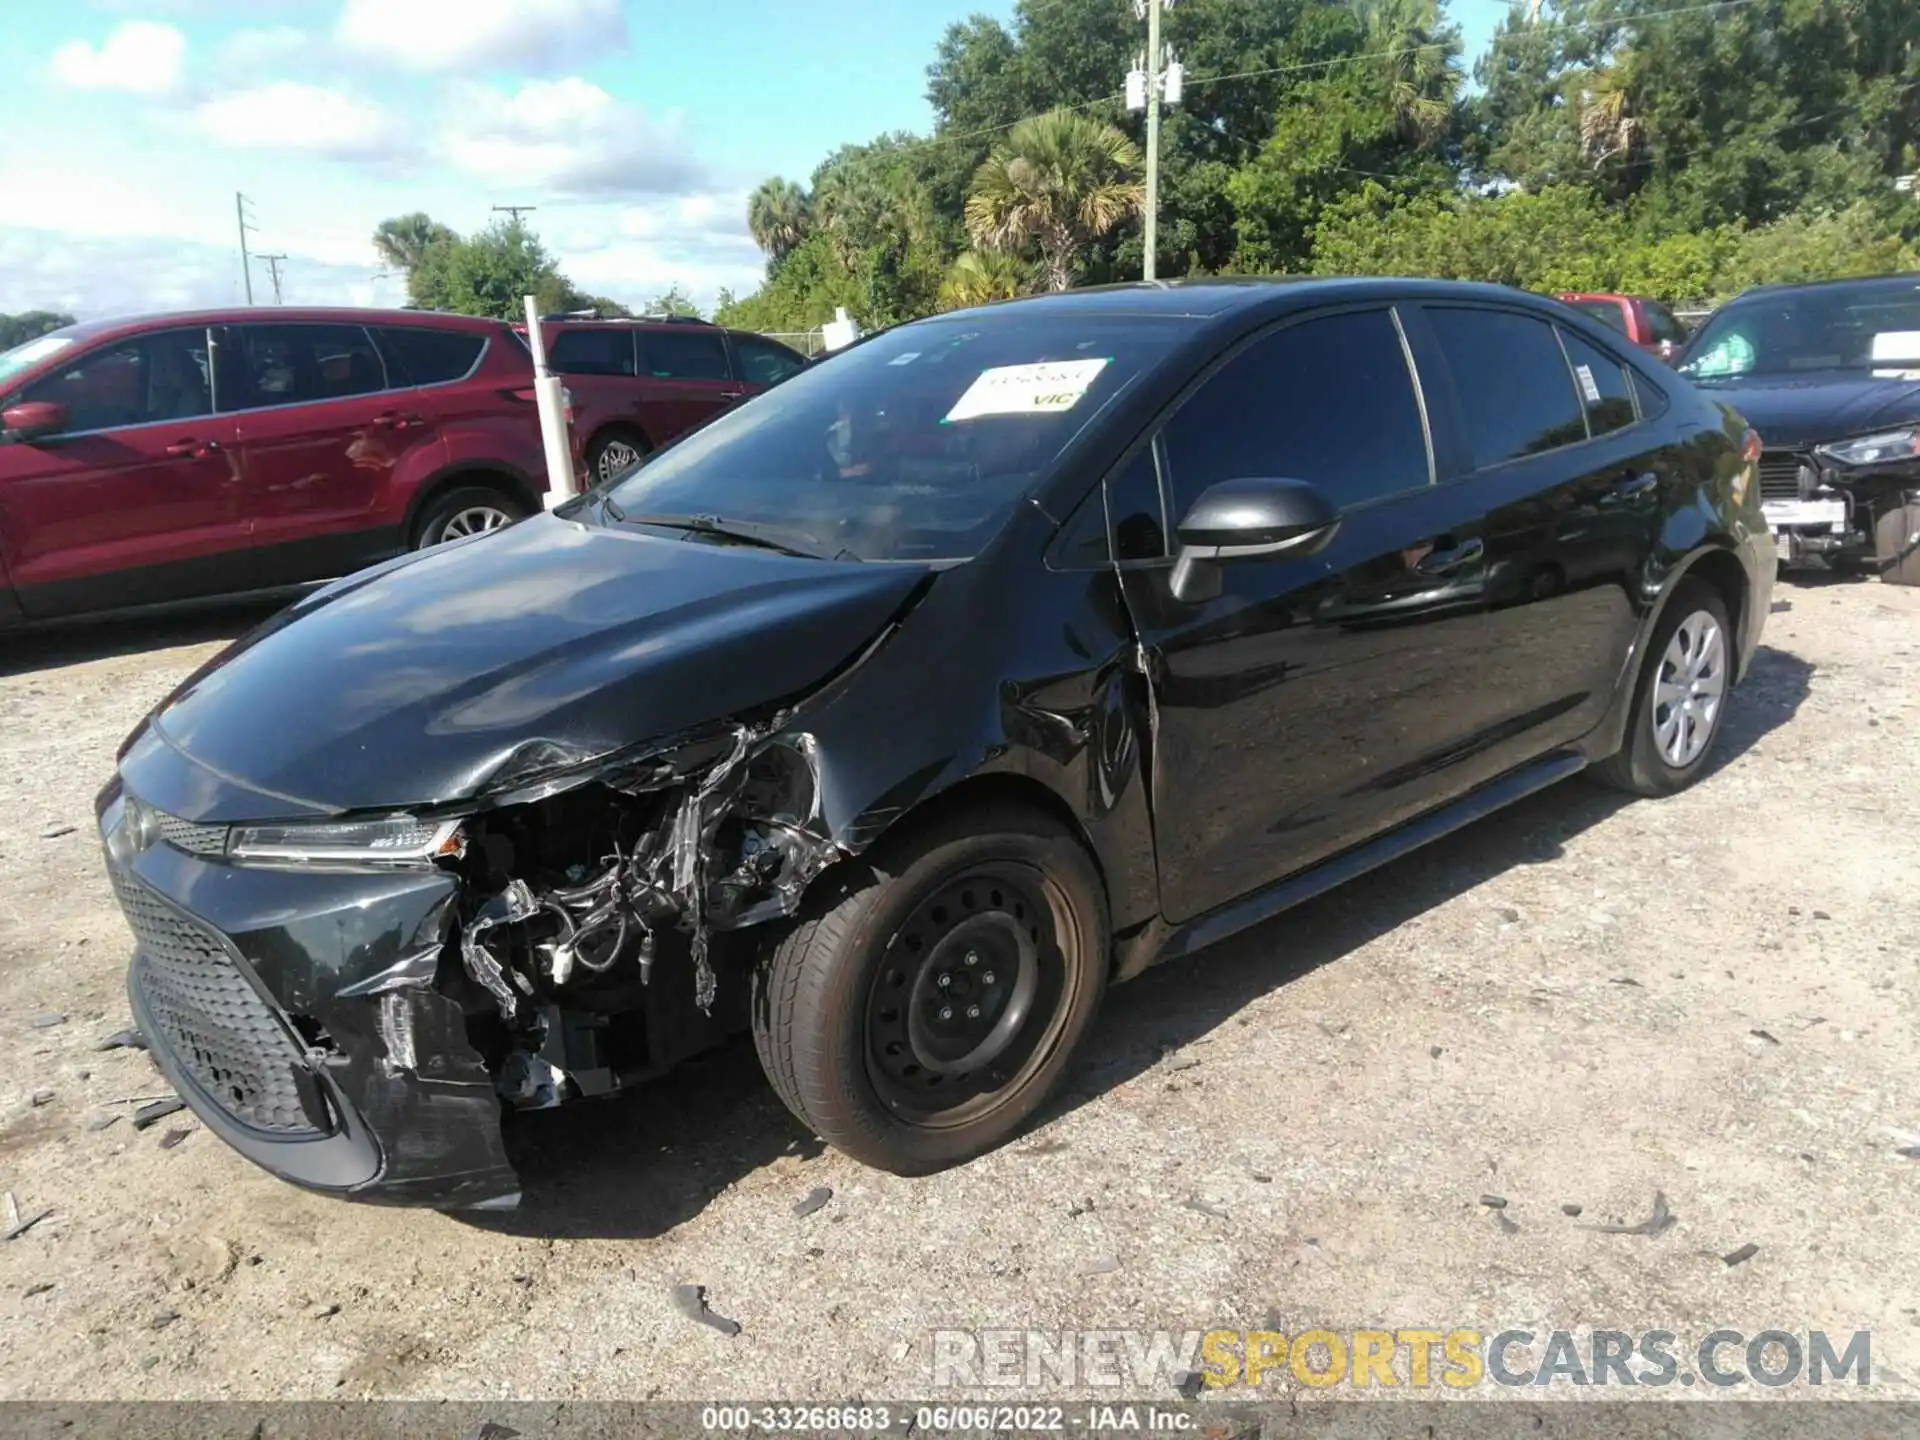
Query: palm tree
[(851, 203), (1608, 126), (777, 215), (1059, 182), (978, 277), (1416, 47), (401, 241)]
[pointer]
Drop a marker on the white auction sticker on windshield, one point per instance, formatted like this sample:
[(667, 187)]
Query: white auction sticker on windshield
[(1045, 388)]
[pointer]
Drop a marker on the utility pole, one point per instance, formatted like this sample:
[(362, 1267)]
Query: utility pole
[(1158, 77), (246, 265), (272, 262), (516, 211)]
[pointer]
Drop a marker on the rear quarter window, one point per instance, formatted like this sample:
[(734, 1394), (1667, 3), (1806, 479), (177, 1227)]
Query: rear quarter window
[(418, 356)]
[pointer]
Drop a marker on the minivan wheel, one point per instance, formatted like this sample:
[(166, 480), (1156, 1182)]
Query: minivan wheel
[(613, 452), (1680, 700), (922, 1011), (469, 510)]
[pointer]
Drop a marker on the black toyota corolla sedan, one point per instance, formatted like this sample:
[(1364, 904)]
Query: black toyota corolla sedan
[(1829, 374), (897, 713)]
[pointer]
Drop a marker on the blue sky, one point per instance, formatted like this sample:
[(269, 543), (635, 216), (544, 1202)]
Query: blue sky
[(636, 127)]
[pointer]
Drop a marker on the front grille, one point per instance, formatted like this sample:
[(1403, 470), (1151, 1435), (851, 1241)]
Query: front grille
[(1779, 475), (212, 1021), (193, 838)]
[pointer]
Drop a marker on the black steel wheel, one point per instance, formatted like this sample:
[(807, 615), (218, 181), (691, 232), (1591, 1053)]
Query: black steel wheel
[(923, 1012)]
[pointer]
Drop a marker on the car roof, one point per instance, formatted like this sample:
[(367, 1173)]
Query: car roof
[(1223, 297), (276, 315), (1905, 280)]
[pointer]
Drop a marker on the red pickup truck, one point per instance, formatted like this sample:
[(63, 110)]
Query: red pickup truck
[(1647, 323)]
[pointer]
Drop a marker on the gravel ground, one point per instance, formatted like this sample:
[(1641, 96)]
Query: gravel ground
[(1578, 1002)]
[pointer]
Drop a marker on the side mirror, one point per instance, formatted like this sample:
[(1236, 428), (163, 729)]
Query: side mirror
[(1250, 519), (32, 418)]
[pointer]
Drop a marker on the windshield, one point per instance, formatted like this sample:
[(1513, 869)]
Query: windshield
[(1869, 327), (31, 353), (914, 445), (1607, 312)]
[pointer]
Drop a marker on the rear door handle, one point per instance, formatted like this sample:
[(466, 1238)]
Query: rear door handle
[(1635, 486), (394, 420), (1445, 562), (195, 448)]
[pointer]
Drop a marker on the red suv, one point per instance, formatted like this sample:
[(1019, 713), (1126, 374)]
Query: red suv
[(175, 456), (1647, 323), (637, 384)]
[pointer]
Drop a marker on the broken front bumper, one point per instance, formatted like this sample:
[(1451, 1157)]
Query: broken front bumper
[(295, 1011)]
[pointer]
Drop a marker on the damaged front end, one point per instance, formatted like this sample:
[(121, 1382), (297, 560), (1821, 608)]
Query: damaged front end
[(355, 1021), (594, 911)]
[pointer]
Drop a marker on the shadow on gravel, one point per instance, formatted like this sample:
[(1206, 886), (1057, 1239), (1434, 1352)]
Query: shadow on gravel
[(77, 642), (638, 1166)]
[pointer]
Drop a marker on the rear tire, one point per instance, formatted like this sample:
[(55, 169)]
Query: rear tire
[(920, 1012), (614, 451), (466, 510), (1679, 699), (1896, 544)]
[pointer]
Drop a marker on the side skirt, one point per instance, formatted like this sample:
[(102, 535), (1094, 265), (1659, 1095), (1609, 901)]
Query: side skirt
[(1160, 941)]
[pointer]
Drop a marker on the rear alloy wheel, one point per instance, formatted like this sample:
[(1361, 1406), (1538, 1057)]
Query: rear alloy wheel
[(922, 1014), (613, 454), (471, 510), (1681, 697)]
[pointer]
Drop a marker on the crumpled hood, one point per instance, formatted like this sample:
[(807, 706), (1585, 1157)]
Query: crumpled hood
[(415, 683), (1809, 408)]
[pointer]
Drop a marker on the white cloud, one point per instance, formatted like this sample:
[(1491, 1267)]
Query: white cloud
[(568, 137), (93, 278), (524, 36), (251, 49), (295, 118), (138, 56)]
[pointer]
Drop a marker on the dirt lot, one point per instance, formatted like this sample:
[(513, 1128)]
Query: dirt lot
[(1579, 1002)]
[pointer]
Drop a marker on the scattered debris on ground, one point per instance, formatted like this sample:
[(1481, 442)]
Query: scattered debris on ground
[(1654, 1224), (155, 1110), (692, 1303), (814, 1199)]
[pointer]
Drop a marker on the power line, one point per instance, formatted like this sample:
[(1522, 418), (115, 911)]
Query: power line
[(516, 211)]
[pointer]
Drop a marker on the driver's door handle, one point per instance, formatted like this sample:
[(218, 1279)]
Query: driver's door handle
[(195, 448), (1634, 486), (394, 420), (1445, 562)]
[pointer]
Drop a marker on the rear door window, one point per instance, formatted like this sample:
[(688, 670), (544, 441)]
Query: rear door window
[(163, 376), (428, 357), (693, 354), (1607, 312), (1515, 387), (1663, 325), (587, 351), (1602, 383), (305, 364), (762, 362)]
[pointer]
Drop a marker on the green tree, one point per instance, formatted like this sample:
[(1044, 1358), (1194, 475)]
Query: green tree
[(779, 218), (488, 273), (977, 277), (671, 301), (1059, 181), (402, 241), (29, 325)]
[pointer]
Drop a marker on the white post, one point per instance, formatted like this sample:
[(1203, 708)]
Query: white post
[(548, 396)]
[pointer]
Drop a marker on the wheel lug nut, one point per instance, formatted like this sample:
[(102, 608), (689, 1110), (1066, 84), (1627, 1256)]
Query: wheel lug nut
[(946, 980), (946, 1012), (986, 977), (973, 1012), (973, 957)]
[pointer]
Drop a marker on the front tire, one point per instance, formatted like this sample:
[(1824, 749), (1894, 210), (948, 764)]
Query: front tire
[(1680, 699), (927, 1005), (1896, 543)]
